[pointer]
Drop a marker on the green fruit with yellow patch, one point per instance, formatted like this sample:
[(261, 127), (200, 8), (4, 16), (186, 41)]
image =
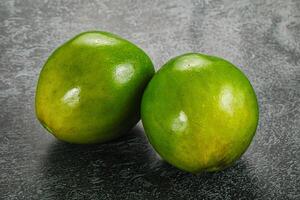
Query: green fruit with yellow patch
[(199, 112), (90, 88)]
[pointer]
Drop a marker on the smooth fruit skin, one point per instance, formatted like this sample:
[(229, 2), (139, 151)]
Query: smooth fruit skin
[(90, 88), (199, 112)]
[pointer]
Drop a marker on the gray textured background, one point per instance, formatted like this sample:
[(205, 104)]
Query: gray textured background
[(261, 37)]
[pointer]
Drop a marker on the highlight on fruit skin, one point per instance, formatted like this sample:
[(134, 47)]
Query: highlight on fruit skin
[(90, 88), (199, 112)]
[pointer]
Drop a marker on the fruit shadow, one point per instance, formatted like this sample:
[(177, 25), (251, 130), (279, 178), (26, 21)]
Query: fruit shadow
[(130, 168)]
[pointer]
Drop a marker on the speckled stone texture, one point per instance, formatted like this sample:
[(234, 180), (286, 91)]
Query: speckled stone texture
[(261, 37)]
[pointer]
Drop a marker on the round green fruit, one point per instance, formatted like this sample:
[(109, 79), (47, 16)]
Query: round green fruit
[(199, 112), (90, 88)]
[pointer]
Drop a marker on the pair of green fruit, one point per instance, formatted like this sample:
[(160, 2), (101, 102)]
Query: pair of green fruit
[(199, 112)]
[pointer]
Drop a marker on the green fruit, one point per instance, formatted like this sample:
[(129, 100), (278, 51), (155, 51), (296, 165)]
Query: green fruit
[(90, 88), (199, 112)]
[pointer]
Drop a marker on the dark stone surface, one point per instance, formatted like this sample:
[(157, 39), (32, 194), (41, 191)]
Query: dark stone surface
[(261, 37)]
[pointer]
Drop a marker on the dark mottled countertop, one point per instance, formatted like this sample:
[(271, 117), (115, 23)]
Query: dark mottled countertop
[(261, 37)]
